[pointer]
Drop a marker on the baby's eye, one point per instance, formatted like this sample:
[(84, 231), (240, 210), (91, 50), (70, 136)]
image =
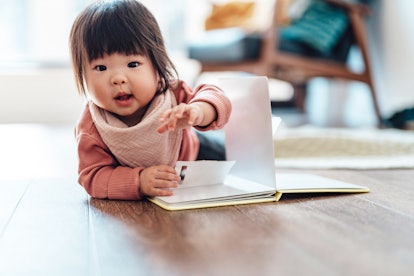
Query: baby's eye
[(100, 67), (134, 64)]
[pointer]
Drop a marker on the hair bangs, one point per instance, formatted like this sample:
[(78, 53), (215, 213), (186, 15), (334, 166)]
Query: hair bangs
[(111, 35)]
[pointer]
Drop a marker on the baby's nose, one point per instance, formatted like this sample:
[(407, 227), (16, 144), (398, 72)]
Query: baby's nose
[(118, 79)]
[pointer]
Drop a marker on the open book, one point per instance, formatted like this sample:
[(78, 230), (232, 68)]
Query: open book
[(249, 174)]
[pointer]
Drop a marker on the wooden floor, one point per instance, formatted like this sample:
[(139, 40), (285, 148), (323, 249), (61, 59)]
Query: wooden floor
[(49, 226)]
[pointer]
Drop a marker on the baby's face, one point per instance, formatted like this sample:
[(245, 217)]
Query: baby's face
[(122, 84)]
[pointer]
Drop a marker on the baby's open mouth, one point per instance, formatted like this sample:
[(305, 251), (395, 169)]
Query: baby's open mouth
[(123, 97)]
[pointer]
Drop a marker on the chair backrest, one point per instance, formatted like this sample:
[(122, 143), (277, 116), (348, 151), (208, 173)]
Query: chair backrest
[(298, 69), (280, 61)]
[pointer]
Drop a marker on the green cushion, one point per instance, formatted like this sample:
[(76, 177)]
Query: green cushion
[(320, 27)]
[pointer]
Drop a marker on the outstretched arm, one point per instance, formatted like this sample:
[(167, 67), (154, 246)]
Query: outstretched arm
[(184, 115)]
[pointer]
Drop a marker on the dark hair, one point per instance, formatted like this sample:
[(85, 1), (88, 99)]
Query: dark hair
[(120, 26)]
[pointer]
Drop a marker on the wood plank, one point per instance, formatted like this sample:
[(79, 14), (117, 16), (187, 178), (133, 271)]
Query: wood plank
[(48, 233), (207, 241), (357, 234), (342, 234), (319, 234), (11, 193), (391, 188), (116, 250), (50, 226)]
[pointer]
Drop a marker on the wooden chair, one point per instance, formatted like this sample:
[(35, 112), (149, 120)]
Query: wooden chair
[(299, 69)]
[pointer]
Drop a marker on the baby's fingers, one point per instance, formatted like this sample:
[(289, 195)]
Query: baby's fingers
[(165, 115), (168, 120), (179, 111), (163, 128)]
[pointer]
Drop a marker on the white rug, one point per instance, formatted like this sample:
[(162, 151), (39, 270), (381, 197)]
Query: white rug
[(319, 148)]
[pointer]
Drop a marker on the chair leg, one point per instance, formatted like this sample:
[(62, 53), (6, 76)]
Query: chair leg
[(299, 90), (376, 105), (361, 38)]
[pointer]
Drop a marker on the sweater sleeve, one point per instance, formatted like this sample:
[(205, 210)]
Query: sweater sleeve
[(99, 172)]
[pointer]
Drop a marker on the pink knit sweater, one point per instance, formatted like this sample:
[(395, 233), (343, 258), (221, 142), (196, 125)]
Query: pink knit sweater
[(100, 173)]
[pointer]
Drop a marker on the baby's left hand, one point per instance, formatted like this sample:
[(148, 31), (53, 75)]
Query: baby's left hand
[(181, 116)]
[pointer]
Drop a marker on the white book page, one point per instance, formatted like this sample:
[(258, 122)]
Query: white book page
[(203, 172), (209, 181), (286, 182), (232, 187)]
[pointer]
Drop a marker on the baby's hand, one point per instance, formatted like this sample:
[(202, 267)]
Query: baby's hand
[(156, 179), (181, 116)]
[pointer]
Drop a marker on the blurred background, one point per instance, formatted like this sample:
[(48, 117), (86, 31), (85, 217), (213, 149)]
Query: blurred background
[(37, 85)]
